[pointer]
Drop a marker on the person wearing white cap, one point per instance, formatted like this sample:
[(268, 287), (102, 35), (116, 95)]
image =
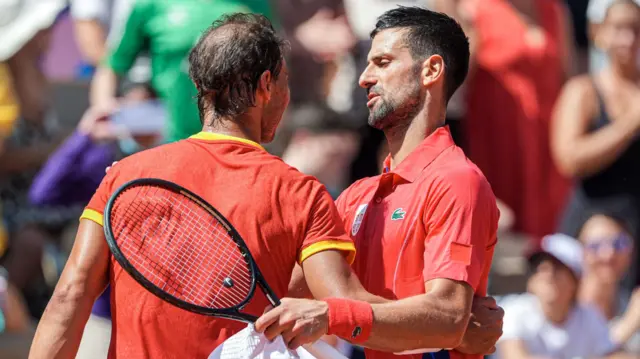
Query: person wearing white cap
[(548, 322)]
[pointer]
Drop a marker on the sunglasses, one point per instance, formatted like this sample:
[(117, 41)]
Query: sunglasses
[(620, 243)]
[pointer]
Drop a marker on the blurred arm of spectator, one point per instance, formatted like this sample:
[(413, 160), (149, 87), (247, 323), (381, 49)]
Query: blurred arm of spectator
[(629, 324), (578, 153), (325, 35), (16, 160), (89, 27), (119, 59), (81, 159)]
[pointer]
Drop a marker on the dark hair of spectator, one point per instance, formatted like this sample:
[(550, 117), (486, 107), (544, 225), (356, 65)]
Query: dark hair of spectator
[(430, 33), (228, 60)]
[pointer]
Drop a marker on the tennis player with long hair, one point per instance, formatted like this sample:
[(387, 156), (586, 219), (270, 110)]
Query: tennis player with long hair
[(284, 217)]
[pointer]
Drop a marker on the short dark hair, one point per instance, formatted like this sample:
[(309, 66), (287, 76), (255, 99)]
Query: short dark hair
[(430, 33), (228, 60)]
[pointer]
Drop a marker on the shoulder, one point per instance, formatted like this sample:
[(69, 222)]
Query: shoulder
[(581, 87), (351, 197), (459, 178)]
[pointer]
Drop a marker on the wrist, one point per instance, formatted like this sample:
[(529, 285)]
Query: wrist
[(350, 319)]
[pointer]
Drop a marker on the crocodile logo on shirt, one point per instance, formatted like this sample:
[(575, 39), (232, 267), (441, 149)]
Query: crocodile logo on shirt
[(398, 214)]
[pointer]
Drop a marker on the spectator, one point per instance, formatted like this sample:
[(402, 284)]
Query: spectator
[(519, 65), (170, 28), (608, 252), (323, 144), (596, 127), (596, 12), (24, 38), (548, 322)]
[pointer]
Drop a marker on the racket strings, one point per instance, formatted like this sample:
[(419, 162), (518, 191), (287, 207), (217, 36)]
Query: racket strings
[(180, 247)]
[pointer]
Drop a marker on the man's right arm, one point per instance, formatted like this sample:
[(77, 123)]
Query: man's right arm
[(120, 58)]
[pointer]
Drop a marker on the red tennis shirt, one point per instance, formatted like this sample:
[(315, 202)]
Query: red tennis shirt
[(283, 216), (433, 216)]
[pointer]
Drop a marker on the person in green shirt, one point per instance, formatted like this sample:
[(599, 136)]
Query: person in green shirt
[(166, 30)]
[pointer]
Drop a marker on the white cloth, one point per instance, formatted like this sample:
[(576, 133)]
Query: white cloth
[(585, 333), (249, 344), (21, 20), (363, 14)]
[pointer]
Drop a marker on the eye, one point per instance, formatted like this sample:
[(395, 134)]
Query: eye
[(382, 62)]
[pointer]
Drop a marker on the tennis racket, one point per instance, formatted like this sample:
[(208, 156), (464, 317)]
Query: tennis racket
[(181, 249)]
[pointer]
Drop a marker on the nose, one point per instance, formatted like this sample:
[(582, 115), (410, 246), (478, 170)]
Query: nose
[(366, 79)]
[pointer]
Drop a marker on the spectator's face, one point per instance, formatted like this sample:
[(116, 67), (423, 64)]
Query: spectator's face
[(553, 283), (620, 33), (276, 106), (608, 248), (392, 81)]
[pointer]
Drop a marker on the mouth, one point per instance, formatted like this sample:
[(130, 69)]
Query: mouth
[(372, 99)]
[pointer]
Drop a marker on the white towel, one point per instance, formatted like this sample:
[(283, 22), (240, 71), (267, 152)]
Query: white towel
[(249, 344)]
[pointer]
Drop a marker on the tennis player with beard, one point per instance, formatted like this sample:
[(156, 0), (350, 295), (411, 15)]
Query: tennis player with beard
[(425, 229)]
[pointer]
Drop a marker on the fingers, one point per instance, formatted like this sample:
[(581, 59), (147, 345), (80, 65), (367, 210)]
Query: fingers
[(267, 319), (488, 302)]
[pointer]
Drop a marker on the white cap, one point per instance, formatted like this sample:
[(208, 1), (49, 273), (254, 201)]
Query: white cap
[(565, 249), (21, 20)]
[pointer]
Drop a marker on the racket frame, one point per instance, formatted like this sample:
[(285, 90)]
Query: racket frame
[(232, 313)]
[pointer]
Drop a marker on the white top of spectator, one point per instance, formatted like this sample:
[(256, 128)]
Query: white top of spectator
[(584, 335), (363, 14)]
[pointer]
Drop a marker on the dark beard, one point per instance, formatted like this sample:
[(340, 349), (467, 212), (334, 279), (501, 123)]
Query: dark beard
[(387, 114)]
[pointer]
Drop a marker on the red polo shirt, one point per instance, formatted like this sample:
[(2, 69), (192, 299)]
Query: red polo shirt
[(433, 216)]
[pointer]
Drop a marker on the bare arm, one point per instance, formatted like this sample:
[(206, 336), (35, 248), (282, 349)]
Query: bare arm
[(103, 88), (437, 319), (84, 278), (578, 153), (91, 38)]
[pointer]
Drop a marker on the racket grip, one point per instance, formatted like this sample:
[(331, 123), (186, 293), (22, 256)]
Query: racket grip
[(322, 350)]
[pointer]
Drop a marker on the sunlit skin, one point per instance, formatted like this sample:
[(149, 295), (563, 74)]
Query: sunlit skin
[(406, 95), (395, 97), (277, 104)]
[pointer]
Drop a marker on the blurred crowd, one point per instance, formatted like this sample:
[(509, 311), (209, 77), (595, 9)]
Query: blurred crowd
[(550, 113)]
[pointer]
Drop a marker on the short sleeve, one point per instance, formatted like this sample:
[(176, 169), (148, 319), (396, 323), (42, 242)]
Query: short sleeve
[(95, 209), (124, 49), (325, 230), (461, 221), (89, 9)]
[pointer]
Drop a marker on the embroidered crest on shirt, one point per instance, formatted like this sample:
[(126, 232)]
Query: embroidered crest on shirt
[(358, 220), (398, 214)]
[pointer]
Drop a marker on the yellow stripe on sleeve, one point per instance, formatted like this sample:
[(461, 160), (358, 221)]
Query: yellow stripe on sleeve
[(92, 215), (329, 245)]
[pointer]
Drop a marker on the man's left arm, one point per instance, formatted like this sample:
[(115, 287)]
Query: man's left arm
[(461, 221)]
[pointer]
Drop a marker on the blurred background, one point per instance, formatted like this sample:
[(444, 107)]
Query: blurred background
[(550, 112)]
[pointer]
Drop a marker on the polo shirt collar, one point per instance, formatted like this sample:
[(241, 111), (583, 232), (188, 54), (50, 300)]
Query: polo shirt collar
[(430, 148), (210, 136)]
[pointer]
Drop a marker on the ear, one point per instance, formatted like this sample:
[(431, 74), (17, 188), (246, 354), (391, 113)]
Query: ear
[(265, 86), (432, 70)]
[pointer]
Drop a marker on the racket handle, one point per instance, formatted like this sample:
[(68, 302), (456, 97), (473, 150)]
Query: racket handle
[(322, 350)]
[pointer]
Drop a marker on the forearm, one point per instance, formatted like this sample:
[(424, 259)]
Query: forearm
[(103, 87), (623, 330), (61, 327), (596, 151), (91, 39), (418, 322)]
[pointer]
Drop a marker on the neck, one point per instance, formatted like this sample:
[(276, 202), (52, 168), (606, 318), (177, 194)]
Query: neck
[(403, 140), (233, 127), (626, 72), (601, 293), (556, 314)]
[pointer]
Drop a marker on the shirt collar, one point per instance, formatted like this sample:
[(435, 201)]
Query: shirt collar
[(430, 148), (210, 136)]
